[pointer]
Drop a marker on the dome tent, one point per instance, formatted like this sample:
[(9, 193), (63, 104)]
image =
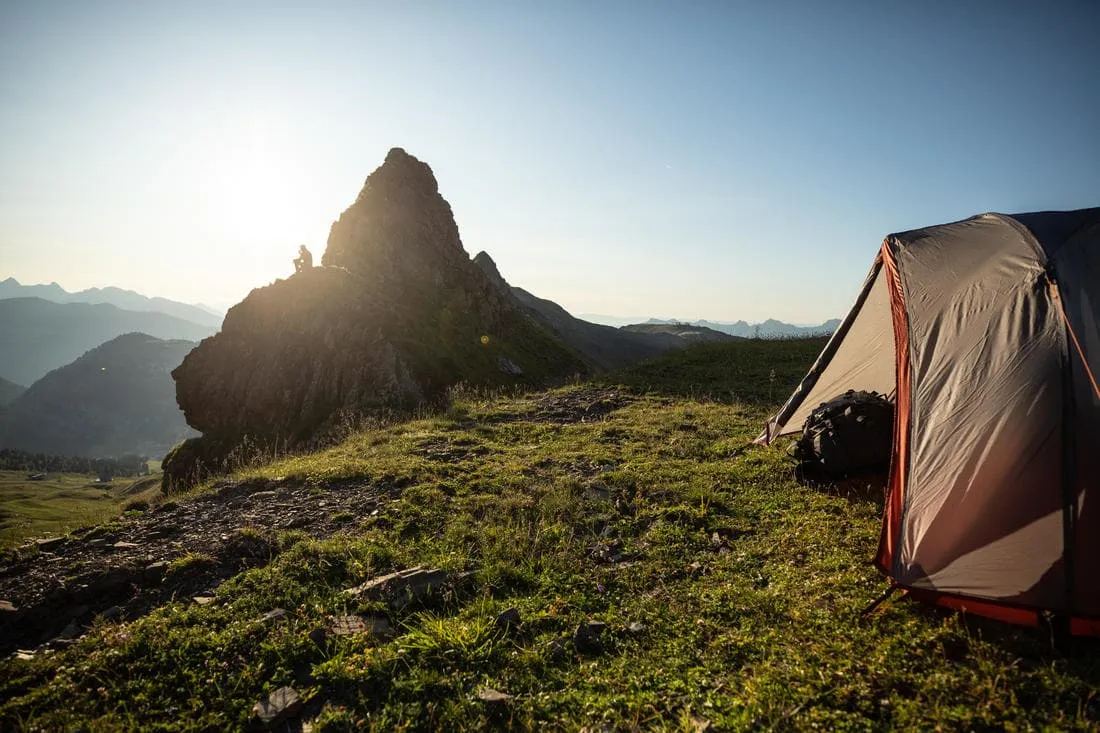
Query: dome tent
[(986, 332)]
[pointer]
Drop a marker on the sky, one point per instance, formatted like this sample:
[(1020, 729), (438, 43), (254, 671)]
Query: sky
[(721, 160)]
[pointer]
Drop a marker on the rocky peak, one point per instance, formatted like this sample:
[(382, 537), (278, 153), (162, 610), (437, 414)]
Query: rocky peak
[(399, 230), (486, 264), (408, 168)]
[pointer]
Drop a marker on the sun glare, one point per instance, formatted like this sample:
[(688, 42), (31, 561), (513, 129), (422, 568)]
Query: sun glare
[(251, 195), (254, 202)]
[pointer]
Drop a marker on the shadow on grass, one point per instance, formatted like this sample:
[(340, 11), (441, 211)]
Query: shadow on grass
[(1046, 646), (854, 488)]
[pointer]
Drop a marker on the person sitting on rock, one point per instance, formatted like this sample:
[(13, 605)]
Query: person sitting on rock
[(304, 260)]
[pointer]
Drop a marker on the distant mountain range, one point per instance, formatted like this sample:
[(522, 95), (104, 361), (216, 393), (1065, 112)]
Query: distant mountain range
[(124, 299), (685, 331), (116, 399), (38, 335), (770, 328)]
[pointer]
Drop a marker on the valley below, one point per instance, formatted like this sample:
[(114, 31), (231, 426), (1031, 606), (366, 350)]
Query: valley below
[(60, 502)]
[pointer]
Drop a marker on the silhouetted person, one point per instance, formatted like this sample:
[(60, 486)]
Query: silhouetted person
[(304, 260)]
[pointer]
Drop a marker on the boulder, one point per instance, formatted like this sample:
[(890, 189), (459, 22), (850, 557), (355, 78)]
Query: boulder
[(377, 626), (493, 698), (49, 544), (587, 636)]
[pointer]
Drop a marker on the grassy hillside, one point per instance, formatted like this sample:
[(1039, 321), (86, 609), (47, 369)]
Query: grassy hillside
[(756, 372), (731, 594), (63, 502), (117, 399)]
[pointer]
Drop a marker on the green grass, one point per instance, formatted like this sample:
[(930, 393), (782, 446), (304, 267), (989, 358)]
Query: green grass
[(753, 371), (760, 631), (63, 502)]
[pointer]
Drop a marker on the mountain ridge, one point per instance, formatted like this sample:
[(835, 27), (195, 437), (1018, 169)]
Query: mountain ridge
[(686, 331), (769, 328), (120, 298), (38, 335), (9, 390), (604, 346)]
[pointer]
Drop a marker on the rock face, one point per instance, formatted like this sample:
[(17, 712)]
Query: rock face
[(293, 354), (397, 314), (401, 233)]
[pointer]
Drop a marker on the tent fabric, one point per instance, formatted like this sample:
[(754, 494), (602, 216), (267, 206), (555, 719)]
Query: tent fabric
[(1077, 263), (863, 353), (986, 331), (984, 348)]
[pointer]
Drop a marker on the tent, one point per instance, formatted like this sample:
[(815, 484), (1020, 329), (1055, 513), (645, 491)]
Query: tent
[(986, 332)]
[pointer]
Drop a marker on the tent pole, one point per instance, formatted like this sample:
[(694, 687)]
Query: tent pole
[(1069, 448)]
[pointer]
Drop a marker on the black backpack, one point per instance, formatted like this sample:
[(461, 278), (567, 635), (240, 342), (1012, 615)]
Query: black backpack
[(847, 436)]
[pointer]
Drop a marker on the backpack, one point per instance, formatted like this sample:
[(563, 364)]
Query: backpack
[(850, 435)]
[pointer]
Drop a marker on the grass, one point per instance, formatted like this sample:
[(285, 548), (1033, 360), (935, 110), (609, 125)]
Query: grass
[(64, 502), (748, 588), (753, 371)]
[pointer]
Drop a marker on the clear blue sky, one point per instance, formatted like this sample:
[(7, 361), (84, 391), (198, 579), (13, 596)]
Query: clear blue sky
[(718, 160)]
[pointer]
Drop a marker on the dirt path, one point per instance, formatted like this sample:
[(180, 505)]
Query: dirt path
[(123, 569)]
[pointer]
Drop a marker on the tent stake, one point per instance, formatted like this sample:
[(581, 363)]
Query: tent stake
[(879, 601)]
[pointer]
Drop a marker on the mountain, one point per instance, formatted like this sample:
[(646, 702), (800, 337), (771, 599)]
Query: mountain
[(116, 399), (12, 288), (397, 315), (603, 346), (769, 329), (124, 299), (38, 335), (683, 331), (9, 391)]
